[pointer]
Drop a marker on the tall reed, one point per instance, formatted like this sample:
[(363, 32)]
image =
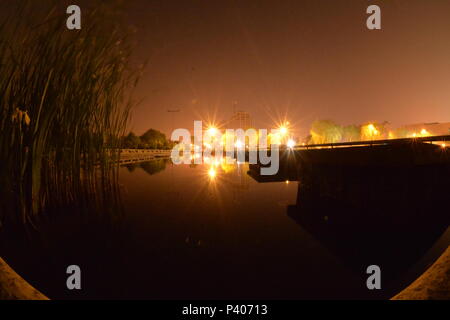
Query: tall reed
[(64, 104)]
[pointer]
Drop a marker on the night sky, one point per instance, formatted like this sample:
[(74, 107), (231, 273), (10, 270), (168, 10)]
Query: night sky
[(303, 60)]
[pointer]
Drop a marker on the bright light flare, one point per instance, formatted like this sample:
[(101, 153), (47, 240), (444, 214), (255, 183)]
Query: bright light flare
[(291, 143), (212, 131), (212, 173), (373, 131), (283, 130)]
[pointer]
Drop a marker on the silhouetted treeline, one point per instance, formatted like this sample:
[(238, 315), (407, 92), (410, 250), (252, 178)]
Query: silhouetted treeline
[(328, 131), (151, 139)]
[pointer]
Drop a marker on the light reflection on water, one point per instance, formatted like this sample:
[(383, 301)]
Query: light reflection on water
[(219, 186)]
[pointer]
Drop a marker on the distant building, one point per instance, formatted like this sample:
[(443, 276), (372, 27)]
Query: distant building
[(239, 120)]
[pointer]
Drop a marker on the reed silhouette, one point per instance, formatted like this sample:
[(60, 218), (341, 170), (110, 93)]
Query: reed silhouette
[(65, 99)]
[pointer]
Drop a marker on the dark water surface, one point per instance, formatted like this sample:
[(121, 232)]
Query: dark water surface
[(214, 232)]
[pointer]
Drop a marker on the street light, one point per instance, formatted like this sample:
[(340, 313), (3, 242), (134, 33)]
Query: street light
[(212, 173), (291, 143), (212, 131)]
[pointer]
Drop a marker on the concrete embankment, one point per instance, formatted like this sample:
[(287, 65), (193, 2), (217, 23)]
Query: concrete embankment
[(433, 284), (14, 287)]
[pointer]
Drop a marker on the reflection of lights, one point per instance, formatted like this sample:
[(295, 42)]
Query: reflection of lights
[(239, 144), (227, 168), (212, 173), (229, 160), (290, 143)]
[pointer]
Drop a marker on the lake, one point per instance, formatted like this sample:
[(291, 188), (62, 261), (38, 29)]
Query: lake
[(214, 232)]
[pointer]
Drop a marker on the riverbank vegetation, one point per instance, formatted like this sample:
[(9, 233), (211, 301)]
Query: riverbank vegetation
[(328, 131), (64, 105), (151, 139)]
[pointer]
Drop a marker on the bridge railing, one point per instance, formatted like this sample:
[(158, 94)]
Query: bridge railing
[(144, 151), (136, 155), (430, 139)]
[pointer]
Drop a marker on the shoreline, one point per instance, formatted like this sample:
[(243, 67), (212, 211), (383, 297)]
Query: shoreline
[(433, 284), (14, 287)]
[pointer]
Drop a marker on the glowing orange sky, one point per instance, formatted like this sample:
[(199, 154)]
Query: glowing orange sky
[(308, 59)]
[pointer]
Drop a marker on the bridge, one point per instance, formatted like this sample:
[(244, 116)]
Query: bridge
[(441, 140), (351, 152), (128, 156), (392, 153), (384, 201)]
